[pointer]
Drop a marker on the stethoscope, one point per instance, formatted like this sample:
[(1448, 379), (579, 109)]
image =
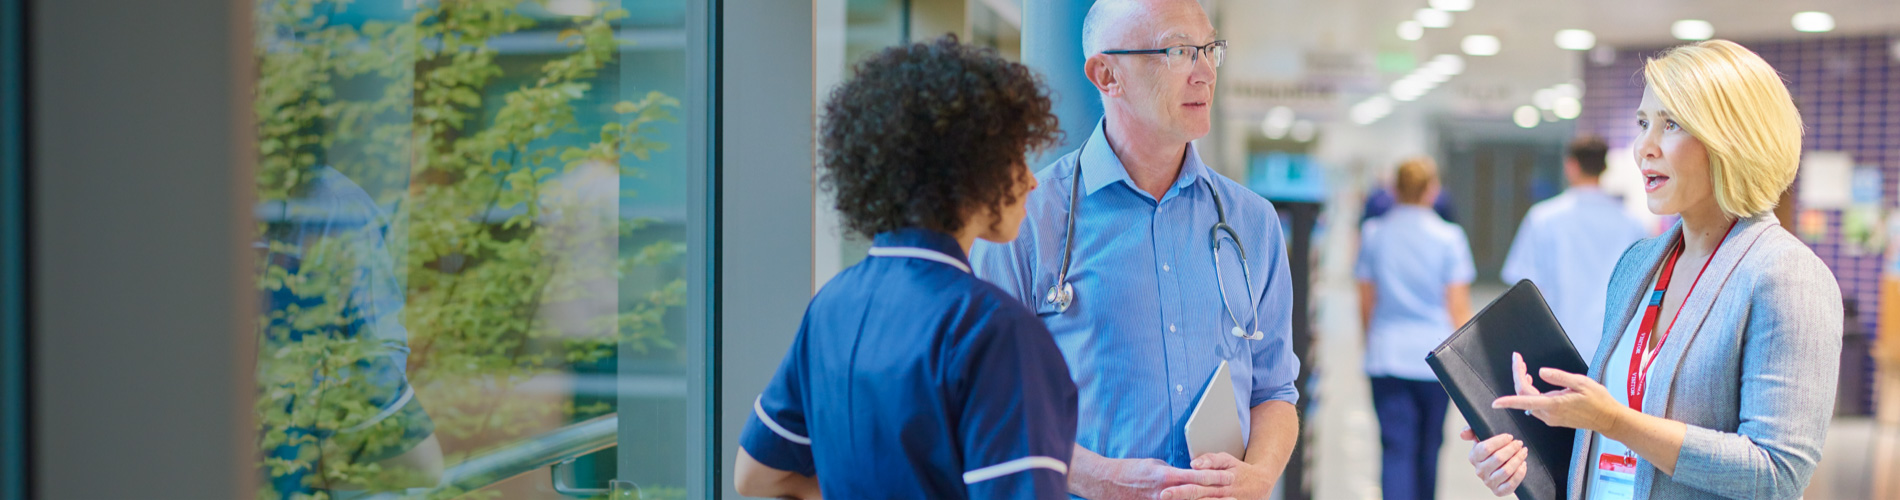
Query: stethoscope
[(1062, 293)]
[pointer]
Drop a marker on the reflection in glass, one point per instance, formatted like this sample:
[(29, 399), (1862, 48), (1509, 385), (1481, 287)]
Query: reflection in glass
[(471, 229)]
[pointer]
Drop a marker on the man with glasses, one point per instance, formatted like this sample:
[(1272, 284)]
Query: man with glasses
[(1117, 257)]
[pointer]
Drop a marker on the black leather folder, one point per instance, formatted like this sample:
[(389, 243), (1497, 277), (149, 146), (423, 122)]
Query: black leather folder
[(1474, 366)]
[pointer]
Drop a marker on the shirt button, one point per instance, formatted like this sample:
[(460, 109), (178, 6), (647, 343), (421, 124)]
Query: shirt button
[(1178, 388), (1170, 328), (1164, 267)]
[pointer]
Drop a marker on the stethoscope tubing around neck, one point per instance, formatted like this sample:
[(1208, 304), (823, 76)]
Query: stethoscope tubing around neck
[(1062, 293)]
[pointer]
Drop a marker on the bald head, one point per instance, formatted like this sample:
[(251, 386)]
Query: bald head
[(1113, 24)]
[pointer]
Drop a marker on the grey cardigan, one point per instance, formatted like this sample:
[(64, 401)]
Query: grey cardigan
[(1750, 366)]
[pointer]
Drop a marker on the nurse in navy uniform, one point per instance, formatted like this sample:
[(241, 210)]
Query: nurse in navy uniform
[(910, 377)]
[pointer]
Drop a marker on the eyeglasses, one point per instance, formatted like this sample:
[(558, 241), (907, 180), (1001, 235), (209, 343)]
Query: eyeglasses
[(1181, 56)]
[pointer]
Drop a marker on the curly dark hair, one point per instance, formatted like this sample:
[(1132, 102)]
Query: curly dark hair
[(926, 134)]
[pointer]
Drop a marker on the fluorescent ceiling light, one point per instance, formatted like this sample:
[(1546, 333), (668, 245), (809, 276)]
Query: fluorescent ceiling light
[(1432, 18), (1405, 90), (1567, 108), (1280, 117), (1278, 120), (1370, 110), (1544, 98), (1273, 133), (1692, 29), (1567, 90), (1451, 5), (1411, 30), (1303, 131), (1813, 22), (1480, 45), (1526, 116), (1576, 39), (1449, 64)]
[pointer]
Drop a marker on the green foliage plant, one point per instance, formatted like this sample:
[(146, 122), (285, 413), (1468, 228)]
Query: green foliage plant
[(480, 241)]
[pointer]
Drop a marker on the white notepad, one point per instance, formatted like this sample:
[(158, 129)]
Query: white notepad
[(1215, 424)]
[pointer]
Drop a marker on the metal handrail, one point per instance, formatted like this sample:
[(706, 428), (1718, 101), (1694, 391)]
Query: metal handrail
[(513, 460)]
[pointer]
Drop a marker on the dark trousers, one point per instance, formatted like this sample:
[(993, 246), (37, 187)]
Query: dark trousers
[(1411, 428)]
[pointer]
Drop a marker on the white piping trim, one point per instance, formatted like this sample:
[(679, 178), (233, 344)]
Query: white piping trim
[(759, 408), (407, 394), (1014, 466), (919, 253)]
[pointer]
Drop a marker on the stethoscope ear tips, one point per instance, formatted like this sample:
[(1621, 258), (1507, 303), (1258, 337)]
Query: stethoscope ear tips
[(1257, 335)]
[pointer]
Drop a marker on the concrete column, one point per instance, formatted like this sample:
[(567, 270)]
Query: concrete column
[(1052, 45)]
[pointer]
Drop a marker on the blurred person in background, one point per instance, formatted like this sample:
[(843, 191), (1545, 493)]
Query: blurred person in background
[(1382, 199), (1568, 245), (1414, 273), (1723, 334), (910, 377)]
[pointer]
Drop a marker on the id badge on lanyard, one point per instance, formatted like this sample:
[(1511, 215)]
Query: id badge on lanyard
[(1615, 475)]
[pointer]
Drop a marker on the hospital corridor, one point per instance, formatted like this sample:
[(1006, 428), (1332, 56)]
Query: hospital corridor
[(950, 249)]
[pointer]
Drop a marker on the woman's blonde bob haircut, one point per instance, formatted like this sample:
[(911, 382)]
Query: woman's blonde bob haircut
[(1730, 99)]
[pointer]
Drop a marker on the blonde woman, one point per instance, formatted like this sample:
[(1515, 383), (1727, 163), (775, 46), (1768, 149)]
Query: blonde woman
[(1715, 375), (1414, 274)]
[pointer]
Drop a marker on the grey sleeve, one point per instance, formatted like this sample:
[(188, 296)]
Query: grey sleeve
[(1791, 353)]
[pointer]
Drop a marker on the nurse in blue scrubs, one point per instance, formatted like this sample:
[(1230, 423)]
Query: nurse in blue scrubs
[(1414, 273), (910, 377)]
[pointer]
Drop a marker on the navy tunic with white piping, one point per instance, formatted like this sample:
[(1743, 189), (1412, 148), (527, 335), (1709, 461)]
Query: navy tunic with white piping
[(912, 378)]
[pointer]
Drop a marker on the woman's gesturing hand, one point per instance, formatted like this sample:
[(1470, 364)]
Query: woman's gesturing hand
[(1582, 404)]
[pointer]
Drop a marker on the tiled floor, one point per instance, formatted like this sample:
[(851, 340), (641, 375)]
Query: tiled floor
[(1341, 419)]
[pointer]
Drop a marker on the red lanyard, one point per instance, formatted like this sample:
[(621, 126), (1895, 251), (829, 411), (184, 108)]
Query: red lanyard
[(1639, 363)]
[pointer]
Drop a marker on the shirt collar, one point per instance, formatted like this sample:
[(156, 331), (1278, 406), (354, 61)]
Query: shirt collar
[(1414, 210), (917, 237), (1100, 166)]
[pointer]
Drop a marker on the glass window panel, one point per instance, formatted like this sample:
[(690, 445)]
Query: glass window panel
[(473, 238)]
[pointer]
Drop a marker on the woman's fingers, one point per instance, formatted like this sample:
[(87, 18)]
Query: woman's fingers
[(1495, 464), (1484, 449), (1565, 379), (1468, 435), (1495, 482), (1518, 478), (1522, 381), (1525, 402), (1507, 477)]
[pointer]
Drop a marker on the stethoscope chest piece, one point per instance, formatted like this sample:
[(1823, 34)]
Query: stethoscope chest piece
[(1061, 295)]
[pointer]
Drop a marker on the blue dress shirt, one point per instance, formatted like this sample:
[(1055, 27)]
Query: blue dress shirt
[(1146, 329), (911, 378)]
